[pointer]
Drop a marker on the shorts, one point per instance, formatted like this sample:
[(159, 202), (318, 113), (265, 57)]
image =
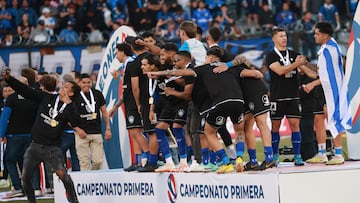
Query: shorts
[(133, 119), (289, 108), (147, 125), (217, 115), (319, 102), (202, 122), (177, 114), (257, 103)]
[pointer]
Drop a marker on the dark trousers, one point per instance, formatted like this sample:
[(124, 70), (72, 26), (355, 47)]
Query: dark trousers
[(51, 155), (308, 142), (68, 143)]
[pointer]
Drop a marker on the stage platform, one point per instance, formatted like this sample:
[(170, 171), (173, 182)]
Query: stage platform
[(286, 184)]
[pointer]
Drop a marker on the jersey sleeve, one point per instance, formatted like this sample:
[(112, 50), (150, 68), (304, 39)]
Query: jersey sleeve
[(100, 98)]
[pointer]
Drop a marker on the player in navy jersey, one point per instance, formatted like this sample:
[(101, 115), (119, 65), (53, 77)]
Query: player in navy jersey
[(284, 95), (55, 111)]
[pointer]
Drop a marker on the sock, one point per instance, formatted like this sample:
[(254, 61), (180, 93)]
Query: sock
[(180, 139), (322, 148), (163, 142), (223, 157), (144, 157), (232, 151), (252, 155), (190, 154), (268, 151), (205, 156), (275, 138), (137, 159), (240, 148), (153, 158), (212, 157), (338, 151), (296, 142)]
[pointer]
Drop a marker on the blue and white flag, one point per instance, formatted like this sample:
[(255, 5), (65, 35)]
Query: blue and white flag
[(352, 72), (118, 149)]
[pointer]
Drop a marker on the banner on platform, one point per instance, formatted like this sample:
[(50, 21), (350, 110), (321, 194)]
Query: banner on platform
[(117, 186)]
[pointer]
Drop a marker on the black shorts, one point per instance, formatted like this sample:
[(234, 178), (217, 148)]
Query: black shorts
[(319, 102), (133, 119), (289, 108), (217, 116), (174, 114), (257, 103), (147, 125)]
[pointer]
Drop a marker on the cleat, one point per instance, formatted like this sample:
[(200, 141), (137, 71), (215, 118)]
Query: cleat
[(226, 168), (195, 167), (318, 159), (181, 167), (211, 167), (167, 167), (336, 160), (265, 165), (132, 168), (239, 164), (276, 159), (148, 168), (14, 193), (251, 166), (298, 160)]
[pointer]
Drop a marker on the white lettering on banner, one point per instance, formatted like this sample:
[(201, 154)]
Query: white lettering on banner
[(222, 191)]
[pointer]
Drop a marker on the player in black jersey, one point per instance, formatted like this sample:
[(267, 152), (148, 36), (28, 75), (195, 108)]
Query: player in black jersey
[(224, 96), (133, 80), (55, 111), (284, 95)]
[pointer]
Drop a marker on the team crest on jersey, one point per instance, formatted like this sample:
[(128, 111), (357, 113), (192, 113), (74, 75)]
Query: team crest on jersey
[(131, 119), (265, 100), (181, 112), (220, 120)]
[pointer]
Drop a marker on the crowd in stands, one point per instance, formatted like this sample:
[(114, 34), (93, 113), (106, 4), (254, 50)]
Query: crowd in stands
[(74, 21)]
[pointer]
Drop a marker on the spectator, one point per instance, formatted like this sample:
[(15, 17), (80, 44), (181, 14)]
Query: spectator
[(308, 44), (5, 17), (266, 18), (163, 17), (252, 8), (329, 13), (69, 35), (313, 7), (26, 9), (103, 9), (13, 8), (226, 21), (95, 35), (351, 8), (135, 9), (180, 15), (39, 35), (24, 29), (64, 13), (118, 15), (49, 21), (214, 6), (202, 16), (286, 18)]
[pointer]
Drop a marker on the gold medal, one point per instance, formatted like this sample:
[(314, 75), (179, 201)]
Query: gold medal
[(151, 100), (93, 115), (53, 123)]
